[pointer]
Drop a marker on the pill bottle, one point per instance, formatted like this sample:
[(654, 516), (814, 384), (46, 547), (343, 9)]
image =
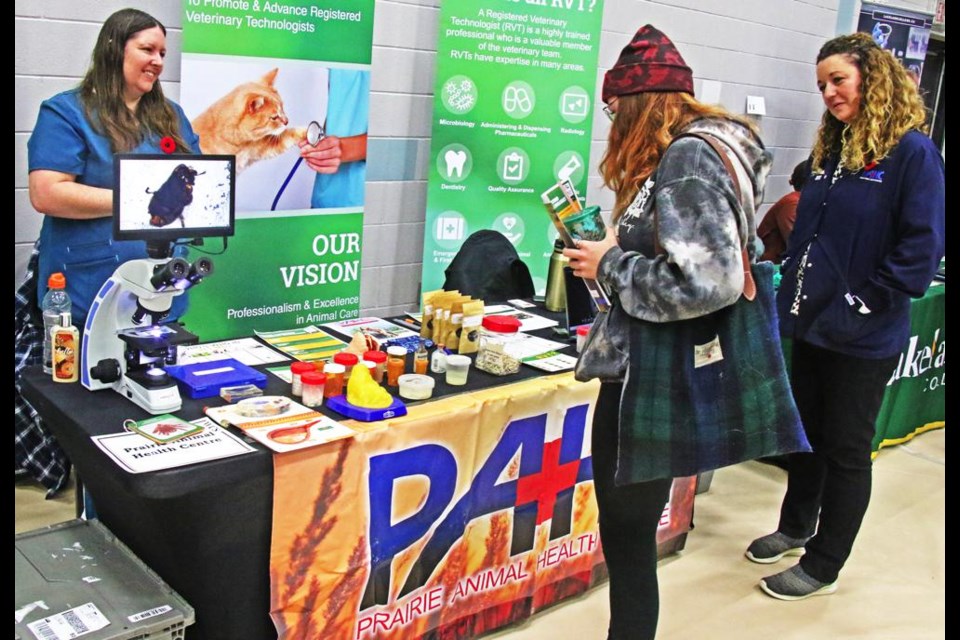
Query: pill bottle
[(297, 369), (378, 358), (396, 364), (582, 332), (334, 384), (313, 383), (347, 360)]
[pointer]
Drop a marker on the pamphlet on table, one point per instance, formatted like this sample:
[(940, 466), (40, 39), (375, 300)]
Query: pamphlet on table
[(307, 344), (245, 350)]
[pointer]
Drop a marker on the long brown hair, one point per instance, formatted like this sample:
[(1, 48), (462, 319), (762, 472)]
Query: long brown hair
[(101, 90), (645, 124), (890, 106)]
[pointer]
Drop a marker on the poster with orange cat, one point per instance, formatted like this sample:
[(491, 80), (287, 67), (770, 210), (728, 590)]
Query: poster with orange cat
[(280, 85)]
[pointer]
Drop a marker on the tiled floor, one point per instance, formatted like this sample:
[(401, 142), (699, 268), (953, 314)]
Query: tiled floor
[(892, 587)]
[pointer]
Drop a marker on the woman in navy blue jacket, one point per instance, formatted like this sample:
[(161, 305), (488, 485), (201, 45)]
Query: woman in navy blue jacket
[(869, 236)]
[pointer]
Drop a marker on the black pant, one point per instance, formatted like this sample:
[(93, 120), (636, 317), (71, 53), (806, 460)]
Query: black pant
[(839, 397), (629, 516)]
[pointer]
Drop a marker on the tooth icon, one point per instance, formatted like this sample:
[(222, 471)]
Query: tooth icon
[(455, 161)]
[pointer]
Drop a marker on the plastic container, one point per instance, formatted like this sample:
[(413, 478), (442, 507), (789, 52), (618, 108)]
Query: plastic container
[(314, 385), (54, 565), (582, 332), (297, 369), (396, 364), (457, 368), (421, 359), (348, 360), (66, 350), (414, 386), (379, 358), (334, 383), (55, 302), (438, 360)]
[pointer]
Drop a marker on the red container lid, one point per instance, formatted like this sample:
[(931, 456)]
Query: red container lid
[(302, 367), (501, 324), (313, 377), (583, 330), (345, 358), (375, 356)]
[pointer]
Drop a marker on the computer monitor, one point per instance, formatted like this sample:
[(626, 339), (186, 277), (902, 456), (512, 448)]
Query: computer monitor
[(160, 198)]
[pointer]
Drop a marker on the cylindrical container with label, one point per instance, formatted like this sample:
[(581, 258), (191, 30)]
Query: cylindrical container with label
[(555, 298), (65, 340), (314, 384), (297, 369), (379, 358), (396, 364), (582, 332), (347, 360), (457, 367), (334, 384), (438, 361)]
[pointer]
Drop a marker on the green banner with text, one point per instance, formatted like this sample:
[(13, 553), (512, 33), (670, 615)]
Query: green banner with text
[(260, 80), (513, 114)]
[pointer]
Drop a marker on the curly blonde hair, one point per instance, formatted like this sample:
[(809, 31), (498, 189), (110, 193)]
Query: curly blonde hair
[(890, 106), (642, 130)]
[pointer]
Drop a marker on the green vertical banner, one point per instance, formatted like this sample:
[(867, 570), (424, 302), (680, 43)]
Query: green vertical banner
[(512, 115), (256, 77)]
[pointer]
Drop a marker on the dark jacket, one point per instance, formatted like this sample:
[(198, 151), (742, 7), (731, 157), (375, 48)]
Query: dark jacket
[(875, 239)]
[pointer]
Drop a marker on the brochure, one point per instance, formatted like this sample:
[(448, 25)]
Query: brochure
[(561, 201), (163, 429), (551, 361), (307, 344), (245, 350)]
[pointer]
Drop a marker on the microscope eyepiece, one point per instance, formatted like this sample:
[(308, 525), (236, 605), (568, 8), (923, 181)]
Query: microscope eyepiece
[(168, 274), (200, 269)]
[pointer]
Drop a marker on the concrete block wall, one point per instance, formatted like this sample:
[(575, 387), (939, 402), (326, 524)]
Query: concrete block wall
[(750, 47)]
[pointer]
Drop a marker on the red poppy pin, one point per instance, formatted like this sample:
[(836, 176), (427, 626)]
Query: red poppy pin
[(167, 144), (870, 166)]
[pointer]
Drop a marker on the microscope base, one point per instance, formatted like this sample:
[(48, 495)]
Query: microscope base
[(155, 400)]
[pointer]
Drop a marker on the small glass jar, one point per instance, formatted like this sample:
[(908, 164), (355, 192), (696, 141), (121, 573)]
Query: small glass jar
[(297, 369), (314, 384), (379, 358), (396, 364), (348, 360), (438, 361), (334, 385)]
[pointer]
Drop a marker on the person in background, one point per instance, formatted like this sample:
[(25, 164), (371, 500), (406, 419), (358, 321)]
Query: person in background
[(701, 227), (777, 224), (868, 237), (118, 107)]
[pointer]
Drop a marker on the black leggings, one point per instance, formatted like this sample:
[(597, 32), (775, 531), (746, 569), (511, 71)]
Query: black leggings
[(629, 517)]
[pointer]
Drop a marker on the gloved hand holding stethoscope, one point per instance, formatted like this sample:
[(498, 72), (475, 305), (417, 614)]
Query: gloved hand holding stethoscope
[(322, 153)]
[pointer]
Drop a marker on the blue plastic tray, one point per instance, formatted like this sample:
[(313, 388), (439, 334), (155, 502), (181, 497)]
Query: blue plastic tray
[(204, 379), (340, 405)]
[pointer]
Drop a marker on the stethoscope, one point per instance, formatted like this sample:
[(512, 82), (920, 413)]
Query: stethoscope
[(315, 134)]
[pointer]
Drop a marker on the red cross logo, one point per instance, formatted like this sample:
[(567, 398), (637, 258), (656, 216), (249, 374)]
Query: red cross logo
[(553, 478)]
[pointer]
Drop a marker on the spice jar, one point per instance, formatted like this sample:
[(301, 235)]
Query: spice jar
[(379, 358), (396, 364), (297, 369), (347, 360), (334, 384), (313, 383)]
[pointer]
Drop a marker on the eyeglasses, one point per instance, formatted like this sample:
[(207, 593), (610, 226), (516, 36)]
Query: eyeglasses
[(610, 112)]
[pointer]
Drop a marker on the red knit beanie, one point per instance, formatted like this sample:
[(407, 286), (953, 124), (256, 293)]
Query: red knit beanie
[(650, 62)]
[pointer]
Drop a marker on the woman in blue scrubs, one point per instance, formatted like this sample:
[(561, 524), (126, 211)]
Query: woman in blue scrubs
[(118, 107)]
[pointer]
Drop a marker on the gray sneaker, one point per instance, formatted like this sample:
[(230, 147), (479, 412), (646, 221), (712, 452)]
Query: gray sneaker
[(773, 547), (795, 584)]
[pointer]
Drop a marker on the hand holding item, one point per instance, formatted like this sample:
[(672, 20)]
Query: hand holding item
[(325, 156), (585, 259)]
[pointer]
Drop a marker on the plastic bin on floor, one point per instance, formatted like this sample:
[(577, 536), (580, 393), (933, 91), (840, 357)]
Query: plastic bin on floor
[(77, 580)]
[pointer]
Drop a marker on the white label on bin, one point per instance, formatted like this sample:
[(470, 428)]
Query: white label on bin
[(150, 613), (71, 623)]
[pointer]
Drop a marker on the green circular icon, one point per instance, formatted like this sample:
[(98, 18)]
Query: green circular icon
[(454, 163), (450, 229), (569, 165), (459, 94), (574, 104), (518, 100), (513, 165), (511, 226)]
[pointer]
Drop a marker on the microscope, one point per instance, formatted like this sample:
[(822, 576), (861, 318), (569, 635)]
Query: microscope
[(126, 343)]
